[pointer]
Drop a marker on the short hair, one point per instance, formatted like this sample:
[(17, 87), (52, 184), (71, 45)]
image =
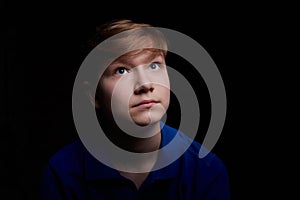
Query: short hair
[(129, 37), (135, 35)]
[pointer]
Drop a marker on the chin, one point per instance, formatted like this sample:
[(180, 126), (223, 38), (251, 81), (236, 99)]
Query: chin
[(142, 123), (148, 118)]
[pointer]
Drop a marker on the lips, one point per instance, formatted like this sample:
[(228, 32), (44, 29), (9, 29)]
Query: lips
[(145, 104)]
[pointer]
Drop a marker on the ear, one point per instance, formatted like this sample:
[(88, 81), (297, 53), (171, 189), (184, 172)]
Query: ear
[(90, 95)]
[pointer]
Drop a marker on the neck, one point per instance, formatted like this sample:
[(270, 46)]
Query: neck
[(143, 145), (131, 143)]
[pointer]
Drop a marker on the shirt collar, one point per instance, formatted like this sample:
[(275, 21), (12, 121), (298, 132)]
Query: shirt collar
[(95, 170), (172, 169)]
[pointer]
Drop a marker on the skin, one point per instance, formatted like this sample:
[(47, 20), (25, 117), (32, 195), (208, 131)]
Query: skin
[(137, 78), (131, 80)]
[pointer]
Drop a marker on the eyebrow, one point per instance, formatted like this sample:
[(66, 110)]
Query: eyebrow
[(126, 59)]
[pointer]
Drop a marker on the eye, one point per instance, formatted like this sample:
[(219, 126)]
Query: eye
[(121, 70), (154, 66)]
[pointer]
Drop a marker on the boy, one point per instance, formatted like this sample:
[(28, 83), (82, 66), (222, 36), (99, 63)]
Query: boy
[(132, 96)]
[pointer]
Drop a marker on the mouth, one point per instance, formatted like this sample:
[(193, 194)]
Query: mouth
[(145, 104)]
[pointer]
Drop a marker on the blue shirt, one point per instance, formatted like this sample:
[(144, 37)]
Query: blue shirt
[(73, 173)]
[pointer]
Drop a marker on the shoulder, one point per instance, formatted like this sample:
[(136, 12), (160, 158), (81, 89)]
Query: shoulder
[(68, 157), (208, 161), (195, 165), (204, 171)]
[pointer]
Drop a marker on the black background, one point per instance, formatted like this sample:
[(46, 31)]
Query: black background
[(41, 52)]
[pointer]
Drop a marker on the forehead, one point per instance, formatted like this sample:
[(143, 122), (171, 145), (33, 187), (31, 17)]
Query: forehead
[(144, 55)]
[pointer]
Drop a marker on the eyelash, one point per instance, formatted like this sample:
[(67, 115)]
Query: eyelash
[(157, 64), (121, 68), (127, 70)]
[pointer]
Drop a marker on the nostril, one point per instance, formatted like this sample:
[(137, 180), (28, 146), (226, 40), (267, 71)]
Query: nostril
[(140, 91), (144, 89)]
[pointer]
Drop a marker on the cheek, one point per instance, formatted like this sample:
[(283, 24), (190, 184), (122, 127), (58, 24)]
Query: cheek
[(122, 91), (162, 78), (119, 93), (165, 93), (164, 86), (105, 93)]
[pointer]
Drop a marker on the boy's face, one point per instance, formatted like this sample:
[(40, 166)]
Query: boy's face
[(138, 85)]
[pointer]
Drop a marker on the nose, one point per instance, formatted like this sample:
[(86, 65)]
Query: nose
[(143, 82)]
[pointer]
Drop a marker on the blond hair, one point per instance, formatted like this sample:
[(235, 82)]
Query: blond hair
[(127, 36)]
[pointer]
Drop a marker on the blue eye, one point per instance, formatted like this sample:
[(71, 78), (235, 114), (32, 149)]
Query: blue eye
[(154, 66), (121, 70)]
